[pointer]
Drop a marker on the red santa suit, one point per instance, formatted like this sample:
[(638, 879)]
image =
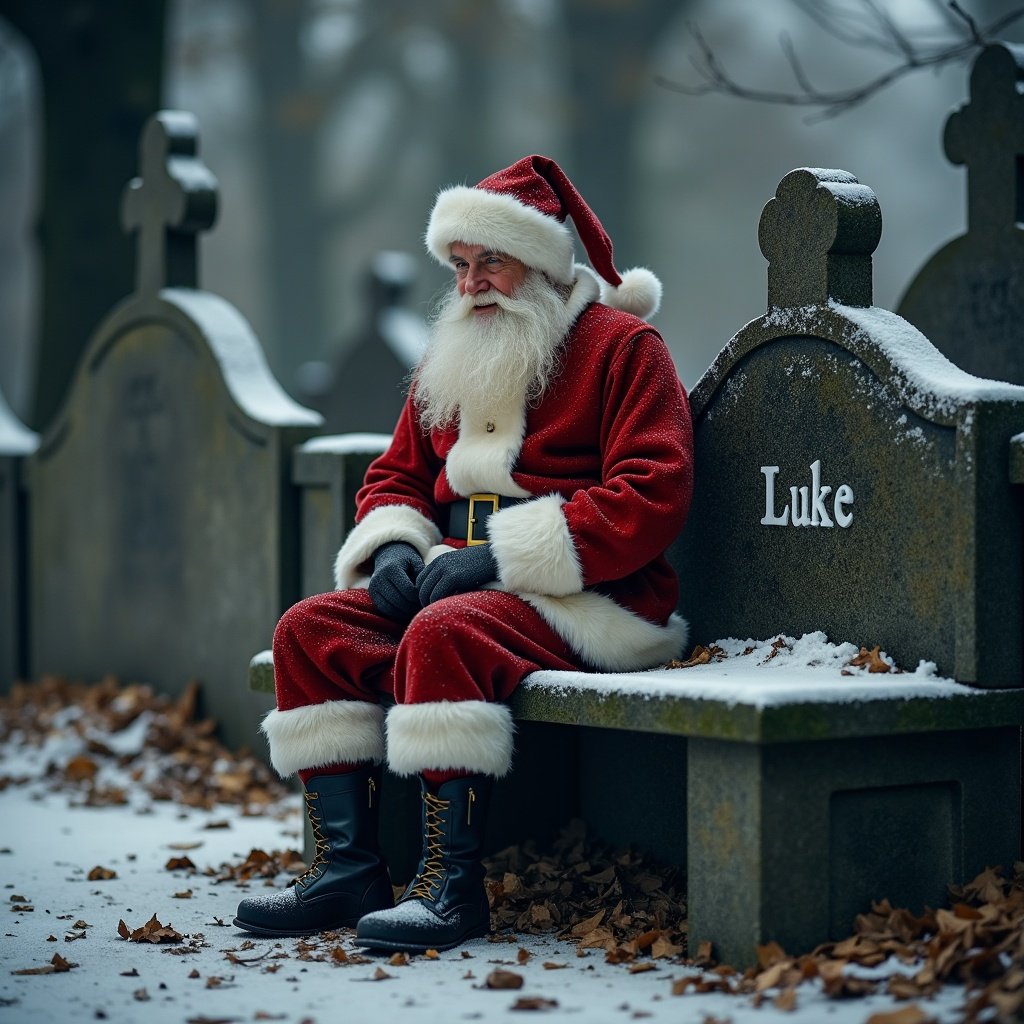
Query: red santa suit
[(602, 466)]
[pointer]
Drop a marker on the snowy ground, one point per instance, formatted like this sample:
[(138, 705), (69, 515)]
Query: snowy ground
[(48, 850)]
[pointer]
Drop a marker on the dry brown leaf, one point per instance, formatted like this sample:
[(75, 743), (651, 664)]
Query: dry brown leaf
[(534, 1003), (503, 979), (665, 947), (381, 975), (770, 953), (642, 967), (399, 960), (57, 965), (912, 1014), (101, 874), (872, 659), (785, 1000), (80, 769)]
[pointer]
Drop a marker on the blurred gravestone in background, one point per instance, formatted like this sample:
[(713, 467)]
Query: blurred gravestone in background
[(365, 388), (163, 521), (969, 297), (101, 66), (16, 442)]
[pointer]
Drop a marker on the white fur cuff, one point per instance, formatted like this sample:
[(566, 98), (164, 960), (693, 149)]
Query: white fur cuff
[(473, 735), (381, 526), (534, 549), (335, 732)]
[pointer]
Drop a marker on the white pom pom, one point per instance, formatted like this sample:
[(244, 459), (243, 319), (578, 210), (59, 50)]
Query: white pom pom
[(639, 293)]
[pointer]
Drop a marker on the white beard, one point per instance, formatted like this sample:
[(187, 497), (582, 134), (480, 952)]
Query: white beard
[(496, 360)]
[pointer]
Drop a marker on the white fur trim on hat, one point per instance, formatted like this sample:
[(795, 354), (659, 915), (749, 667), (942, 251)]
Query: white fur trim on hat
[(503, 224), (472, 735), (381, 526), (639, 293), (317, 735), (534, 548)]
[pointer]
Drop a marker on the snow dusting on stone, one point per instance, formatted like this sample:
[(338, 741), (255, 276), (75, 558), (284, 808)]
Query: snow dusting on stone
[(345, 444), (240, 357), (932, 378), (807, 669)]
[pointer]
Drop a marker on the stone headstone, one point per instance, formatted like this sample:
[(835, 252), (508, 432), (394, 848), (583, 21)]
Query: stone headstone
[(164, 523), (850, 478), (366, 387), (17, 442), (969, 297)]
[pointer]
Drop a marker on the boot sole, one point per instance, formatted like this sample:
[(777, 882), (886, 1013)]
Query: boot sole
[(278, 933), (419, 947)]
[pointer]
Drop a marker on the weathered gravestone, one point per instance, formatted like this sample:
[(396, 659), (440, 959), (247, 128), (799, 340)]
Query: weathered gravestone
[(164, 523), (969, 297), (851, 480), (368, 383), (16, 443)]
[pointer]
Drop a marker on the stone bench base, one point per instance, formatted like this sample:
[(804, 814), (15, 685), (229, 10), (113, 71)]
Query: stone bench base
[(791, 814)]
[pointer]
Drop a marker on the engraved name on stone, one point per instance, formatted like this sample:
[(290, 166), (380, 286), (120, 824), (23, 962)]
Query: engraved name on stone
[(807, 506)]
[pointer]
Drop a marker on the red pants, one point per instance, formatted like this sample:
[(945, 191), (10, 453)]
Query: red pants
[(470, 647)]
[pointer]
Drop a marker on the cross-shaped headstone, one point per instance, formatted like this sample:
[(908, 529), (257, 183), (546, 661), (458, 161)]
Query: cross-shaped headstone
[(173, 200), (818, 234), (987, 136)]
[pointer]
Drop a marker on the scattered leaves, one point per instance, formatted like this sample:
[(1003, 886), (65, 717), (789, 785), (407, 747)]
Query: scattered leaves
[(585, 891), (177, 756), (152, 931)]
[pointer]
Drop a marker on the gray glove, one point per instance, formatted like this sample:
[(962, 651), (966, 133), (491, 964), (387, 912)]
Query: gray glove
[(456, 572), (392, 584)]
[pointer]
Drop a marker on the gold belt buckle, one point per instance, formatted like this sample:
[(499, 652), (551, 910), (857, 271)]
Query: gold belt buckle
[(494, 499)]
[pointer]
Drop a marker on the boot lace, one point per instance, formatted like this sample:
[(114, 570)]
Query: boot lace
[(323, 847), (433, 866)]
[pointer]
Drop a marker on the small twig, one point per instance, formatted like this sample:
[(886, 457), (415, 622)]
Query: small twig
[(972, 25), (789, 50)]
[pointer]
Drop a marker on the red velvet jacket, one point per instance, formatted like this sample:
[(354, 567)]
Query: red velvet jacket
[(606, 455)]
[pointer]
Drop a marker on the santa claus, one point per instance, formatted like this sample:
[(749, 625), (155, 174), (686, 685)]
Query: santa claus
[(518, 521)]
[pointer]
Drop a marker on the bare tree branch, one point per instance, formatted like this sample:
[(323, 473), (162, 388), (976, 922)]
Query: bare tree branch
[(871, 27)]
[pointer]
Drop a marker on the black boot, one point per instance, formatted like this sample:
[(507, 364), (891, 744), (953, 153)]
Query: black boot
[(446, 902), (347, 877)]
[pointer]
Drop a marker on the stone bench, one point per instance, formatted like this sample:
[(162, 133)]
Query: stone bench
[(802, 801)]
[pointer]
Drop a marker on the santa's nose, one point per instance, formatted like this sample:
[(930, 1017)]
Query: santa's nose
[(475, 281)]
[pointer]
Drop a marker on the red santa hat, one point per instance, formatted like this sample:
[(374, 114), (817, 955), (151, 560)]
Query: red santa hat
[(521, 211)]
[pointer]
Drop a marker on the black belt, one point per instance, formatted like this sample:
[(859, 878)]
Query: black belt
[(467, 517)]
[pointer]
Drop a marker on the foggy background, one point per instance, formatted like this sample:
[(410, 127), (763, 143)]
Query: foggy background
[(331, 124)]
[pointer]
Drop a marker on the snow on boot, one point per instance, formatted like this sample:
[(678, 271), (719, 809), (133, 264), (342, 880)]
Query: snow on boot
[(347, 877), (446, 902)]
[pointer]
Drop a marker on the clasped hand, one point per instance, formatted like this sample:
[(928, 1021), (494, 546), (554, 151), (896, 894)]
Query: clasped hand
[(401, 584)]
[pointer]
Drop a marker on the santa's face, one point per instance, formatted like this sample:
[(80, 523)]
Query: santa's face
[(478, 361), (479, 272)]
